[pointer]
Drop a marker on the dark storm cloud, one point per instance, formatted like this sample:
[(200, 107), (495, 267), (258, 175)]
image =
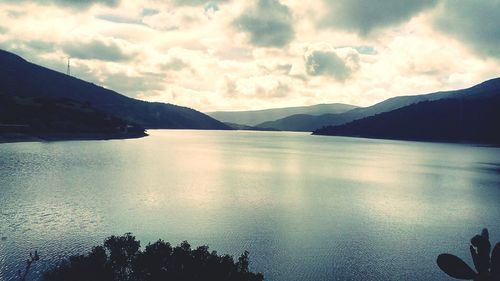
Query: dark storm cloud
[(96, 49), (476, 23), (364, 16), (67, 3), (269, 24), (328, 63)]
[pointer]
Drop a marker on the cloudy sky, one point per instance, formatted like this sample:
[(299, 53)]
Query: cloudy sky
[(255, 54)]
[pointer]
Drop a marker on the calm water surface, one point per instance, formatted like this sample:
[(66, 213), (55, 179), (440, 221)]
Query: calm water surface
[(306, 207)]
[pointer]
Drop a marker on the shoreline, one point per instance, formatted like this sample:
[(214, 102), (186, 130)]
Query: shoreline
[(17, 138)]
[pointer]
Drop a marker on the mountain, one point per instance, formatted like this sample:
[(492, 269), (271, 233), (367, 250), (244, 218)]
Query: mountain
[(21, 78), (40, 118), (303, 122), (254, 117), (311, 123), (235, 126), (469, 115)]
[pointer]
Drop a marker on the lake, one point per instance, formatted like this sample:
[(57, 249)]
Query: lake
[(305, 207)]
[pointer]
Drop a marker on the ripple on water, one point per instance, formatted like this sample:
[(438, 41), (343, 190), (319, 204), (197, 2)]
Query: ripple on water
[(307, 208)]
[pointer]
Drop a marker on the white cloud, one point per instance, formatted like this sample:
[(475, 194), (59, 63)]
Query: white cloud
[(106, 49), (191, 54)]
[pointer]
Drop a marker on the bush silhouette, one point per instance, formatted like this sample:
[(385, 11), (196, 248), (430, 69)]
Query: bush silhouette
[(121, 259), (488, 268)]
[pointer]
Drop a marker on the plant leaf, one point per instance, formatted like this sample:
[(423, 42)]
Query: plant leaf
[(495, 262), (483, 247), (475, 259), (485, 234), (455, 267)]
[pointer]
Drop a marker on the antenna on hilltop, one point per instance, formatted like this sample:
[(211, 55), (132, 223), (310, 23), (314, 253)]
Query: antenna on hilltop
[(69, 70)]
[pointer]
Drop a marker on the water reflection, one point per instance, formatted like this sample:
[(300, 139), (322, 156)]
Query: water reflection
[(307, 208)]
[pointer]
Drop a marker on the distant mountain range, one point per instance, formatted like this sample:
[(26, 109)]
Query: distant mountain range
[(256, 117), (23, 79), (311, 123), (303, 122), (247, 128), (469, 115), (41, 102)]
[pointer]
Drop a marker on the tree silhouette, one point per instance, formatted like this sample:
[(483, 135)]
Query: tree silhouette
[(121, 259)]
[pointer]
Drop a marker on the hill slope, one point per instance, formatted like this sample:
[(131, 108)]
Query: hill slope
[(21, 78), (303, 122), (254, 117), (247, 128), (27, 118), (470, 117), (311, 123)]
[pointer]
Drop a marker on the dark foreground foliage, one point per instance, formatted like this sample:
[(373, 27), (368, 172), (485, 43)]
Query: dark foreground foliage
[(121, 259), (488, 268)]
